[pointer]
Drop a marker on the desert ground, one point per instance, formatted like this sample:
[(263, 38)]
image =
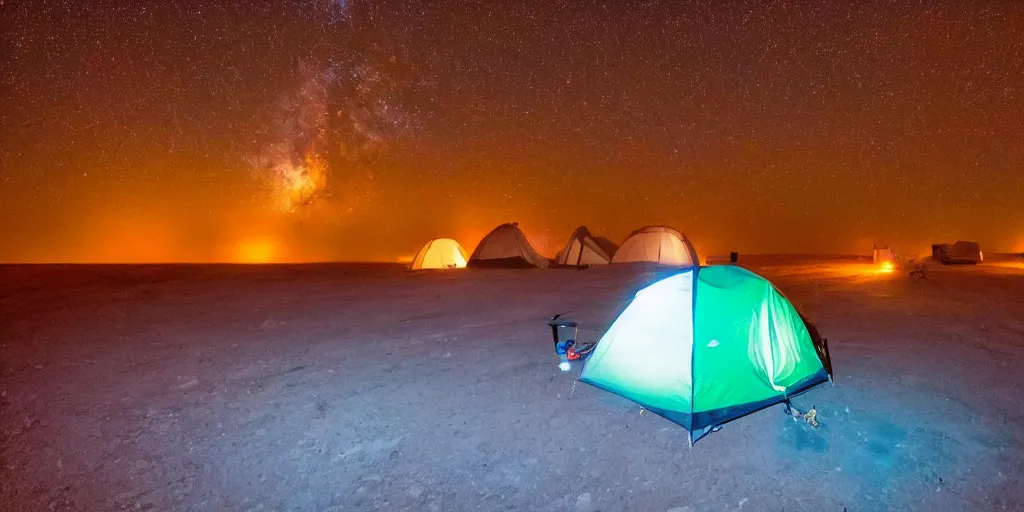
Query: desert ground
[(367, 387)]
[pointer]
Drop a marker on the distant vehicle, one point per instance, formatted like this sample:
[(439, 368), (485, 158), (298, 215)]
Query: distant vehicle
[(959, 253)]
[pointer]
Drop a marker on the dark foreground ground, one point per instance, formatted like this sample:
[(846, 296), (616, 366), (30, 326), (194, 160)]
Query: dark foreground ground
[(347, 387)]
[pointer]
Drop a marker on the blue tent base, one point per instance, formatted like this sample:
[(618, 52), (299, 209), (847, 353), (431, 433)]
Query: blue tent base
[(703, 423)]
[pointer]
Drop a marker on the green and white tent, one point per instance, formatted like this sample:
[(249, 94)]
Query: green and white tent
[(706, 346)]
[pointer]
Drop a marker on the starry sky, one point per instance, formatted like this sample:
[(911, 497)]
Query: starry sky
[(312, 130)]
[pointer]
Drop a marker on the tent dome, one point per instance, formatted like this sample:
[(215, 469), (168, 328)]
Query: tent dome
[(706, 346), (439, 253), (584, 249), (657, 244), (506, 247)]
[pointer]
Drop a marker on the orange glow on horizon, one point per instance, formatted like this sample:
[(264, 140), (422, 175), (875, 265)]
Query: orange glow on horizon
[(256, 250)]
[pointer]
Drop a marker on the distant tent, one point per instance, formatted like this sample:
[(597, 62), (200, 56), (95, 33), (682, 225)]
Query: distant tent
[(439, 253), (582, 249), (706, 346), (506, 247), (610, 248), (960, 252), (657, 244), (883, 255)]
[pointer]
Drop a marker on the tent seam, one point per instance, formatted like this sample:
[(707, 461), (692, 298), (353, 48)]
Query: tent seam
[(693, 347)]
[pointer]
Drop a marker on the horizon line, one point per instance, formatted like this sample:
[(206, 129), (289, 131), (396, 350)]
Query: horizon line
[(392, 262)]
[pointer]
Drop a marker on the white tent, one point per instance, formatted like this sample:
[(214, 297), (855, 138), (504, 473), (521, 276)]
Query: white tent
[(582, 249), (439, 253), (657, 244), (506, 246), (883, 255)]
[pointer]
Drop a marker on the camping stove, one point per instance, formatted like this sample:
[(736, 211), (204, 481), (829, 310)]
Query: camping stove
[(564, 333)]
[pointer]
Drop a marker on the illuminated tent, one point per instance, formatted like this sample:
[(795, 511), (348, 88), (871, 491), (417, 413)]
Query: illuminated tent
[(439, 253), (706, 346), (883, 255), (657, 244), (506, 247), (582, 249)]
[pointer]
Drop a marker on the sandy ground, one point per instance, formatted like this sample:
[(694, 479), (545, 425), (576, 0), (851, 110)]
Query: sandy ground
[(362, 387)]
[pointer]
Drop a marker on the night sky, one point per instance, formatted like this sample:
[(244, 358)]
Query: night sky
[(355, 130)]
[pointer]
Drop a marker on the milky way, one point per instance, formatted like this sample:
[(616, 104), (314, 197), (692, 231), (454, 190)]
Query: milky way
[(340, 117)]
